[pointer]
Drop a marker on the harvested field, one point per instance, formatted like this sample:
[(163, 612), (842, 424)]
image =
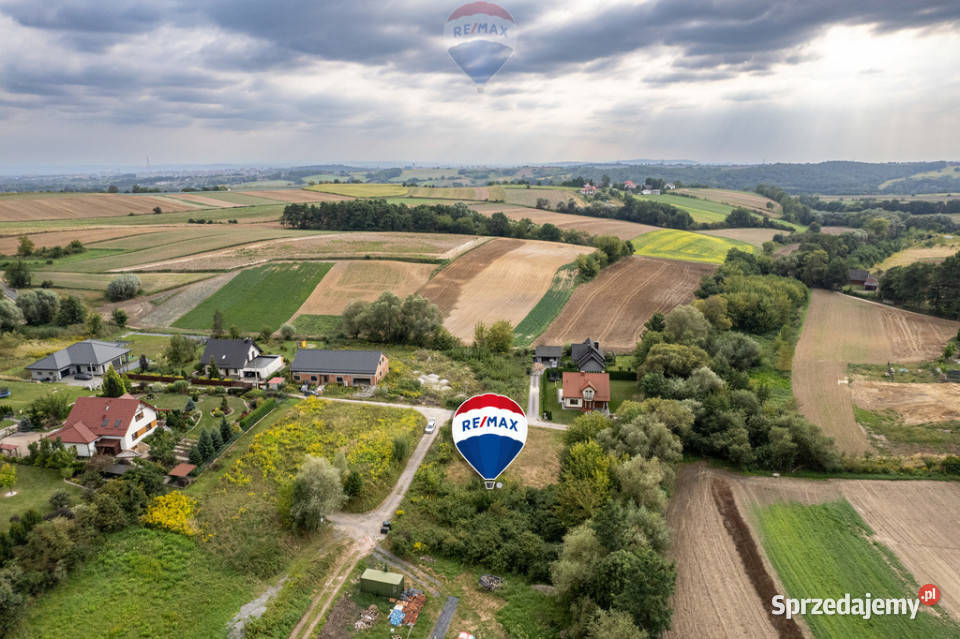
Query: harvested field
[(933, 254), (746, 199), (529, 197), (312, 245), (152, 282), (917, 403), (363, 281), (166, 308), (297, 196), (751, 236), (629, 292), (205, 201), (700, 210), (9, 243), (593, 225), (839, 330), (474, 288), (17, 209), (361, 190), (714, 596)]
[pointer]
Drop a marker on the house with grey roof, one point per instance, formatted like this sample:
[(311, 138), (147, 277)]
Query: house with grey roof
[(91, 357), (240, 359), (549, 356), (587, 356), (349, 368)]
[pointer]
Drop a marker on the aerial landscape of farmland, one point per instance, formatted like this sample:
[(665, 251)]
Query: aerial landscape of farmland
[(355, 320)]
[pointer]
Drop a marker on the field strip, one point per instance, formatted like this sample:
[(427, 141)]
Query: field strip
[(221, 251), (327, 592)]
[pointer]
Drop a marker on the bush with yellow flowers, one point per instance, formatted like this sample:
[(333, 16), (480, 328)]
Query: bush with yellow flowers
[(173, 511)]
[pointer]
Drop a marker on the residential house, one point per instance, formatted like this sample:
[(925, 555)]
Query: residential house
[(108, 425), (857, 276), (349, 368), (549, 356), (587, 356), (871, 284), (629, 185), (90, 357), (585, 392), (669, 186), (240, 359), (588, 189), (650, 192)]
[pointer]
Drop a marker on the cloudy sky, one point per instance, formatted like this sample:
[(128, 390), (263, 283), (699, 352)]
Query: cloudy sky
[(298, 81)]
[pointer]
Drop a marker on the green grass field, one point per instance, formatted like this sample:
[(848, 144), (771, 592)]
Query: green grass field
[(701, 210), (687, 246), (34, 487), (142, 583), (361, 190), (265, 296), (317, 325), (547, 309), (22, 393), (827, 550)]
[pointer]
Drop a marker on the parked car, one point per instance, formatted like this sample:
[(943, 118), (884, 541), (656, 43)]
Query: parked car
[(83, 376), (385, 527), (431, 426)]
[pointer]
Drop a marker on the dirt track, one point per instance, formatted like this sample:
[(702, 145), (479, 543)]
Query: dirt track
[(629, 292), (501, 280), (840, 329), (363, 280)]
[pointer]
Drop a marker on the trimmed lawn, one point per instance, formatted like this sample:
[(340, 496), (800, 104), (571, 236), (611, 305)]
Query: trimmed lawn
[(548, 402), (142, 583), (265, 296), (827, 550), (23, 393), (690, 247), (34, 487), (620, 391)]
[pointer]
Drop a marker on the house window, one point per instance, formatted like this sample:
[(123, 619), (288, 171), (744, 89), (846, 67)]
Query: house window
[(313, 378), (139, 416)]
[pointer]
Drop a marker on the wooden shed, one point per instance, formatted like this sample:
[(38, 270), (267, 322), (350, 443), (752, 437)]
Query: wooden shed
[(378, 582)]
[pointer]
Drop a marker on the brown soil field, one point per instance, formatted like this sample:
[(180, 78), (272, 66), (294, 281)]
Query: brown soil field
[(8, 243), (501, 280), (715, 598), (320, 246), (205, 201), (932, 254), (363, 281), (538, 465), (593, 225), (629, 292), (917, 403), (529, 197), (751, 236), (84, 206), (839, 330), (747, 200), (298, 196), (714, 595)]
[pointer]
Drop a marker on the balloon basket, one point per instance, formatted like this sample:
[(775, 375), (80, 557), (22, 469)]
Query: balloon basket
[(489, 484)]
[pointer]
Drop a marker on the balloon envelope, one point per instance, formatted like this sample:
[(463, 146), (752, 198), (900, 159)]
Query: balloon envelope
[(481, 37), (489, 431)]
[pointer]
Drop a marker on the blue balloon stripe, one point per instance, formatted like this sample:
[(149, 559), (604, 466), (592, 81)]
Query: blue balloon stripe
[(489, 454), (480, 59)]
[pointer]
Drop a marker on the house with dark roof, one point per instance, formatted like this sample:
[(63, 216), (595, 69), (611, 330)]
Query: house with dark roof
[(857, 276), (91, 357), (587, 356), (108, 425), (549, 356), (240, 359), (585, 392), (349, 368)]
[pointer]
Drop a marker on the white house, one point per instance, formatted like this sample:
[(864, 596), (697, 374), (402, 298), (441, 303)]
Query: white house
[(108, 425), (90, 356), (240, 359)]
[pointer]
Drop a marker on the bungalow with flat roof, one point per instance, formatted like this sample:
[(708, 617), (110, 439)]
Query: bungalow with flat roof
[(108, 425), (240, 359), (349, 368), (91, 357)]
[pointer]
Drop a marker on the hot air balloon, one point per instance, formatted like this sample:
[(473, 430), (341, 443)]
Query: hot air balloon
[(489, 431), (481, 38)]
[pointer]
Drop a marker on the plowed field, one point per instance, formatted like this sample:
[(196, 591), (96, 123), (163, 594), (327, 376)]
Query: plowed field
[(626, 295), (363, 281), (60, 207)]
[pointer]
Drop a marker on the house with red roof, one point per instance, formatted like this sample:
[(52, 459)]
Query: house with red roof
[(106, 425), (629, 185), (588, 189), (585, 391)]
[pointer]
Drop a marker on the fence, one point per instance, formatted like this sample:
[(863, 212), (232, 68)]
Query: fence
[(196, 381)]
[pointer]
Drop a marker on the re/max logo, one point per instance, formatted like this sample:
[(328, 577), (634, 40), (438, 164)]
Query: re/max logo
[(490, 422), (480, 27)]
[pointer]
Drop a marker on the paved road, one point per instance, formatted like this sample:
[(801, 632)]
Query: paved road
[(9, 292), (365, 527), (533, 406)]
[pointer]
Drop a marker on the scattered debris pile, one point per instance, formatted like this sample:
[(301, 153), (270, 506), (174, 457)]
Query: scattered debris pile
[(490, 582), (367, 618), (407, 608)]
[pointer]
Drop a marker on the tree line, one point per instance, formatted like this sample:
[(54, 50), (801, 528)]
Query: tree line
[(925, 286)]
